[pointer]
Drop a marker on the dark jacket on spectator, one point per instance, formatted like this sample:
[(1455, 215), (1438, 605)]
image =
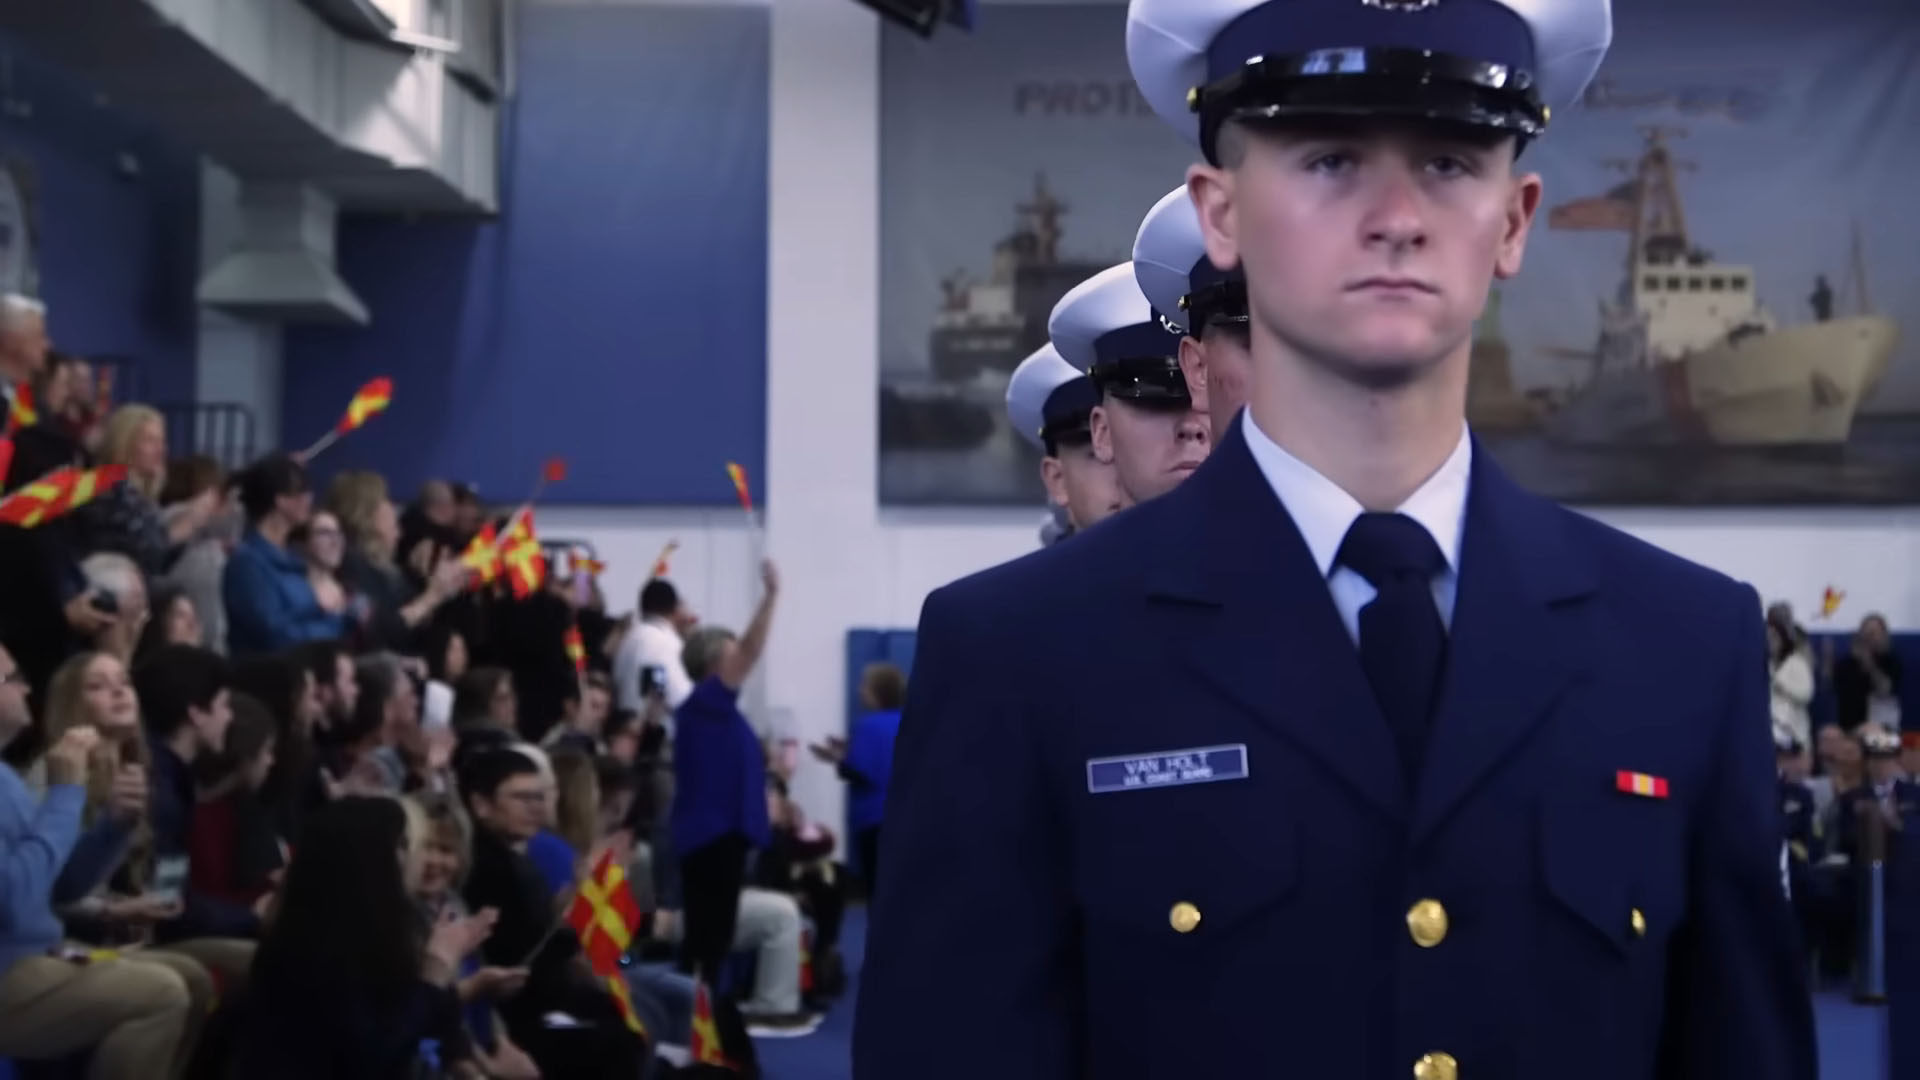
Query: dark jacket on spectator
[(270, 603), (342, 1036), (171, 817), (386, 591), (39, 574)]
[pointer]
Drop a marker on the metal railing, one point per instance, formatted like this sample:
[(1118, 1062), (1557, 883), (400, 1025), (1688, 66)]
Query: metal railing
[(223, 430)]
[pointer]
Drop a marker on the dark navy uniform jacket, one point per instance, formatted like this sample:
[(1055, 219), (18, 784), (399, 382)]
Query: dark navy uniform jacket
[(1301, 913)]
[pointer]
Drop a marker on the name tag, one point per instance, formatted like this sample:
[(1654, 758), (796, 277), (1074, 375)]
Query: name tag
[(1200, 765)]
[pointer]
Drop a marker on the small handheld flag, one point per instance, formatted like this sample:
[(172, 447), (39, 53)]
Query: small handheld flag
[(576, 649), (56, 493), (738, 475), (483, 556), (22, 414), (368, 401), (666, 553), (1830, 601), (1639, 783)]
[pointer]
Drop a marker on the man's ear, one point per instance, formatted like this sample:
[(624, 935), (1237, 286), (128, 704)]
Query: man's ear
[(1054, 476), (1102, 432), (1193, 364), (1522, 203), (1212, 188)]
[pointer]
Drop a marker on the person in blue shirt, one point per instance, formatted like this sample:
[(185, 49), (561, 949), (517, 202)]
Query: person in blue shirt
[(865, 761), (719, 809), (271, 603), (53, 1001)]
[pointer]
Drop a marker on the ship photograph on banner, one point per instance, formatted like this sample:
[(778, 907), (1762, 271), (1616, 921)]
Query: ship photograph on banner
[(1720, 302)]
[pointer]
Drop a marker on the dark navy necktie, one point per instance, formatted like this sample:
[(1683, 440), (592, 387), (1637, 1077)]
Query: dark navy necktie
[(1403, 644)]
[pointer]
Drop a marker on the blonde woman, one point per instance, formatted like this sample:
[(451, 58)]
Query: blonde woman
[(92, 690), (127, 519), (397, 608)]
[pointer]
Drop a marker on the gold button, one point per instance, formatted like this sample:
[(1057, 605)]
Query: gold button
[(1438, 1065), (1184, 917), (1639, 922), (1427, 922)]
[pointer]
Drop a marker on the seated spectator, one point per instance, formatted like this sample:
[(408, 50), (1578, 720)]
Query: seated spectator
[(127, 1014), (1866, 681), (395, 609), (191, 483), (799, 862), (236, 852), (116, 578), (187, 707), (174, 621), (503, 794), (584, 720), (107, 892), (348, 982), (444, 855), (321, 545), (127, 519), (411, 757), (270, 601)]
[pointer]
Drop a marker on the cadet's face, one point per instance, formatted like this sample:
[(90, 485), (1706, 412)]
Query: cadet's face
[(1088, 487), (1369, 249), (1151, 450), (1219, 370)]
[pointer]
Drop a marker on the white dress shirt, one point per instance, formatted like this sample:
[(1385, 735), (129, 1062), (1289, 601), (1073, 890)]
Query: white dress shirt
[(651, 641), (1323, 513)]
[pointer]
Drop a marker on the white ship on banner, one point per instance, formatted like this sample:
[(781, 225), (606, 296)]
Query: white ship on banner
[(1688, 354)]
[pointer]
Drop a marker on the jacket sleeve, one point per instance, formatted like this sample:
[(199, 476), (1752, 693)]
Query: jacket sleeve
[(1737, 1003), (96, 855), (973, 915)]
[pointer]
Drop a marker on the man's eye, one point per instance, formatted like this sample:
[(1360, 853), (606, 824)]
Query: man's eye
[(1330, 163)]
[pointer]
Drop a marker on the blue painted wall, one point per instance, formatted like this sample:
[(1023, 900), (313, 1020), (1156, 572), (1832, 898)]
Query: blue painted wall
[(614, 315), (119, 256)]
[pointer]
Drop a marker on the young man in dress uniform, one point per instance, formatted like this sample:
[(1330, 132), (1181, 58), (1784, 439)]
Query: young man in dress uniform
[(1049, 404), (1426, 776), (1170, 263), (1146, 423)]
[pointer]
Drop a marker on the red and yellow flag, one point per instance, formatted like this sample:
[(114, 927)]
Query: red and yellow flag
[(6, 459), (590, 567), (23, 414), (56, 493), (738, 475), (660, 561), (371, 399), (483, 556), (526, 564), (706, 1048), (1830, 601), (605, 915), (617, 986), (576, 649)]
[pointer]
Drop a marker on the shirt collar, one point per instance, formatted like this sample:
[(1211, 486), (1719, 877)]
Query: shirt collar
[(1323, 512)]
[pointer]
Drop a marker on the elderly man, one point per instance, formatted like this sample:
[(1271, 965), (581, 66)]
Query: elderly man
[(23, 345)]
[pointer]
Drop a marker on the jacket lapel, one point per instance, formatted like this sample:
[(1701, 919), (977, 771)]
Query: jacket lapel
[(1250, 614), (1518, 638)]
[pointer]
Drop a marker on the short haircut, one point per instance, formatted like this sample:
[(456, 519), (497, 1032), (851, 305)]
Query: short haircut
[(264, 481), (702, 651), (482, 774), (886, 684), (16, 310), (658, 597), (174, 679)]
